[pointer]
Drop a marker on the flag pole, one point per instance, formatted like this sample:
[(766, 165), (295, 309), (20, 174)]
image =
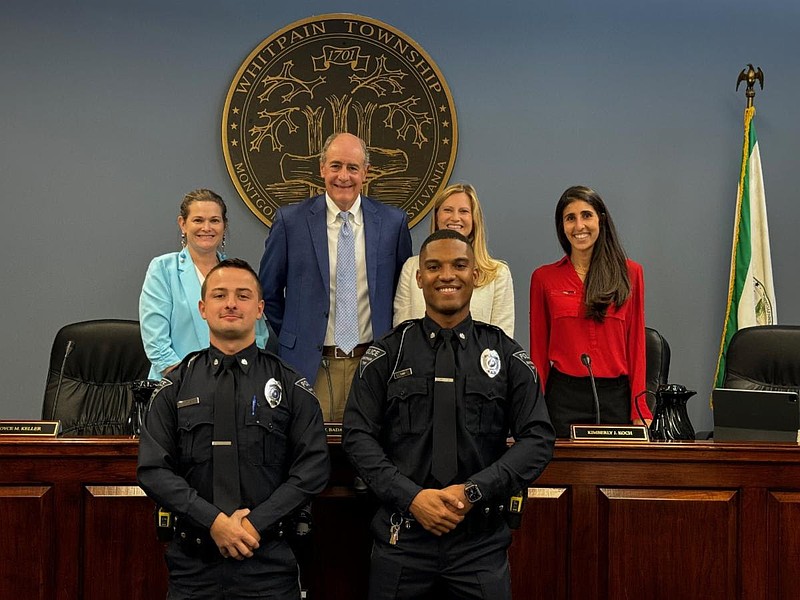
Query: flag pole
[(750, 76)]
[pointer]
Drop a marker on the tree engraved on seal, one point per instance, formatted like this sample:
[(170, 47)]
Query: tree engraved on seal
[(333, 73)]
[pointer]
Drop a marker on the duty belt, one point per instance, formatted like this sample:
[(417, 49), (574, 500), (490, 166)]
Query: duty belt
[(198, 543)]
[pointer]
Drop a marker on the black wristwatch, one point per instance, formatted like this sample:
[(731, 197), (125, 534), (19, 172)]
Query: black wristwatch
[(472, 492)]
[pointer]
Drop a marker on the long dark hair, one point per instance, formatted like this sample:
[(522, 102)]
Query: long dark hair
[(607, 280)]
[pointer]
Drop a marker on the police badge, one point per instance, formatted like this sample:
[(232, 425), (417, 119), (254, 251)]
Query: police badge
[(490, 362), (273, 392)]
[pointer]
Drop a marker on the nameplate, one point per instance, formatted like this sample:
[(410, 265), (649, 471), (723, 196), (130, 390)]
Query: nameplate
[(29, 428), (333, 428), (609, 433)]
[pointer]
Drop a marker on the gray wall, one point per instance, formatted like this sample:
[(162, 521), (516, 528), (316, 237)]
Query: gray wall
[(110, 112)]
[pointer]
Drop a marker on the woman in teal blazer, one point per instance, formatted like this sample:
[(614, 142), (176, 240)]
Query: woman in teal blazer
[(168, 315)]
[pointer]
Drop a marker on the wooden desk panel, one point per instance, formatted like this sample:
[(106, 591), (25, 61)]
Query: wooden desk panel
[(783, 531), (118, 522), (26, 542), (603, 521)]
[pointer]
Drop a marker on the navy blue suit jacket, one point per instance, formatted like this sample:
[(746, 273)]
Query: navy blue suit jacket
[(295, 275)]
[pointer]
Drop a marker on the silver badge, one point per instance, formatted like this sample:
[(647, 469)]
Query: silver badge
[(273, 392), (490, 362)]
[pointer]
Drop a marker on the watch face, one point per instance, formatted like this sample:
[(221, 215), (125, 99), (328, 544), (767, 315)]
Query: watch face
[(472, 492)]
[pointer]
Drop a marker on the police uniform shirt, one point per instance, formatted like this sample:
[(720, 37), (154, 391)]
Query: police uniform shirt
[(388, 421), (282, 447)]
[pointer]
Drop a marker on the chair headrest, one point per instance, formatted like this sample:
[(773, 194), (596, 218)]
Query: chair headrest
[(102, 351), (767, 356)]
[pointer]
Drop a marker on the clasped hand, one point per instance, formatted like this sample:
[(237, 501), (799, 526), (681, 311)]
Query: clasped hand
[(235, 536), (440, 511)]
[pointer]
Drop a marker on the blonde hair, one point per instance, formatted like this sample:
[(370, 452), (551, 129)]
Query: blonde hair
[(486, 265)]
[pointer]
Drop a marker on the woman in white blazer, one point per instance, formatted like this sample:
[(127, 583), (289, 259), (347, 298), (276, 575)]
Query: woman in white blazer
[(457, 207)]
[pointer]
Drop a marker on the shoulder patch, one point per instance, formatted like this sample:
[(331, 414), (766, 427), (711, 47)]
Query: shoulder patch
[(303, 384), (164, 383), (523, 357), (372, 353), (160, 386)]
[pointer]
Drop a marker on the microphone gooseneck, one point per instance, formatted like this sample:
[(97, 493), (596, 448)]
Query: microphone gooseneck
[(67, 352), (587, 362)]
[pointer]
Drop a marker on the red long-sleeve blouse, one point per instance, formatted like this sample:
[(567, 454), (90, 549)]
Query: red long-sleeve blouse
[(560, 332)]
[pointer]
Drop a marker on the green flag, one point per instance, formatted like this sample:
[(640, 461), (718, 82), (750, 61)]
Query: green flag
[(751, 295)]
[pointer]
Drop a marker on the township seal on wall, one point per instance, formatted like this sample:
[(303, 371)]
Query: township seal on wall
[(338, 72)]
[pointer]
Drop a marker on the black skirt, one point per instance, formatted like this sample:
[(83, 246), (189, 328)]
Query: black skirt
[(570, 401)]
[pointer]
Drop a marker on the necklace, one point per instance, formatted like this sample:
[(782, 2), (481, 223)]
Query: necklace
[(580, 270)]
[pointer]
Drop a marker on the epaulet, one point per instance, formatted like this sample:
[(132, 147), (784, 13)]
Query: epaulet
[(277, 359), (486, 325), (189, 359), (403, 325), (266, 352), (493, 328), (187, 362)]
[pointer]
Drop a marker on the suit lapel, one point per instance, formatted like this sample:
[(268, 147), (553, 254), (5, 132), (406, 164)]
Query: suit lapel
[(372, 242), (318, 232)]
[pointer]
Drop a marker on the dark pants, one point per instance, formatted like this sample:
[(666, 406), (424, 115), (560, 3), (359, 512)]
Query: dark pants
[(463, 564), (270, 573), (570, 401)]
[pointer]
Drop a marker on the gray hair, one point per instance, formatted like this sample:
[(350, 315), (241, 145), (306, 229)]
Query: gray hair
[(329, 141)]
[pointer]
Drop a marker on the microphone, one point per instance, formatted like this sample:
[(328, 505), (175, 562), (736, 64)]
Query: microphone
[(67, 352), (587, 362)]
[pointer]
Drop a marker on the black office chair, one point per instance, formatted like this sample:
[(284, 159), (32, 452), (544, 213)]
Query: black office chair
[(657, 357), (93, 367), (766, 357)]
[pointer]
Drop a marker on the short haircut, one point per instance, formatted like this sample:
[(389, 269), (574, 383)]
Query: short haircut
[(232, 263), (445, 234)]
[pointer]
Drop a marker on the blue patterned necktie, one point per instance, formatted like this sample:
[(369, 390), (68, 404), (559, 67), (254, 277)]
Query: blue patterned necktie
[(346, 329)]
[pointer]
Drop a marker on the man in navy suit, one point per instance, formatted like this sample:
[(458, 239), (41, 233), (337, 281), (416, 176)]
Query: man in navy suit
[(338, 245)]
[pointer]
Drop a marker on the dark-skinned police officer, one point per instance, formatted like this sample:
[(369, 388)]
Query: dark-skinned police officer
[(233, 443), (426, 427)]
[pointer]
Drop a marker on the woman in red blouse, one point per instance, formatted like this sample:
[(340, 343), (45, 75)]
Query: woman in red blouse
[(589, 302)]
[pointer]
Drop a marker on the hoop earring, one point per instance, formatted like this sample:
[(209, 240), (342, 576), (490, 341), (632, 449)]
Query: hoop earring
[(183, 240)]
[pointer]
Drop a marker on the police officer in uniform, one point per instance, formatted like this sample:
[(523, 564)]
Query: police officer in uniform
[(233, 443), (426, 427)]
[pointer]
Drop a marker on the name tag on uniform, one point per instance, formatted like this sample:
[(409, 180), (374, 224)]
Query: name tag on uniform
[(403, 373), (189, 402)]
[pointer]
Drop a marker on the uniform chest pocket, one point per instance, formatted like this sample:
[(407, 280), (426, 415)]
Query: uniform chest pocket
[(195, 432), (410, 398), (565, 303), (265, 435), (484, 406)]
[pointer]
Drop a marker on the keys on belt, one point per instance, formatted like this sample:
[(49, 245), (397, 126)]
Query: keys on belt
[(336, 352)]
